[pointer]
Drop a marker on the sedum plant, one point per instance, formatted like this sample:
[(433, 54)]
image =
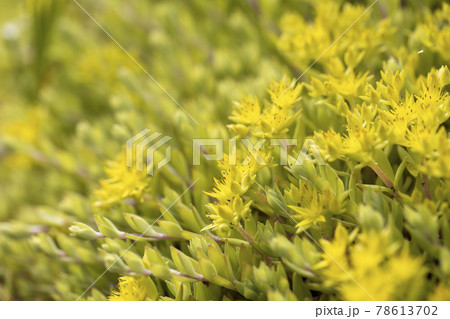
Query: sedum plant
[(334, 185)]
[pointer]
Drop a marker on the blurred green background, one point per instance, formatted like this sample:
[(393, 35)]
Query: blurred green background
[(70, 98)]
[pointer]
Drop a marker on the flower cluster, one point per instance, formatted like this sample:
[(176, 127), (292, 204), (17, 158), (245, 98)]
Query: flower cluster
[(391, 115), (306, 39), (434, 32), (122, 182), (237, 176), (371, 267), (135, 289), (314, 207), (274, 119)]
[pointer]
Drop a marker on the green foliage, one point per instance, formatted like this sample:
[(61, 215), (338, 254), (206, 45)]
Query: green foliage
[(361, 213)]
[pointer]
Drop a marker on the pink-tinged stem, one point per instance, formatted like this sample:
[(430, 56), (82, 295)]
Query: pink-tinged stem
[(426, 186), (382, 175)]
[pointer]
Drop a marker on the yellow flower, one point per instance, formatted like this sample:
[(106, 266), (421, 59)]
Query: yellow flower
[(411, 121), (359, 144), (134, 289), (423, 118), (434, 33), (247, 111), (335, 257), (372, 267), (304, 40), (228, 213), (274, 119), (332, 143), (285, 93), (315, 207), (394, 123), (237, 176), (434, 148), (341, 81), (277, 116), (122, 182)]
